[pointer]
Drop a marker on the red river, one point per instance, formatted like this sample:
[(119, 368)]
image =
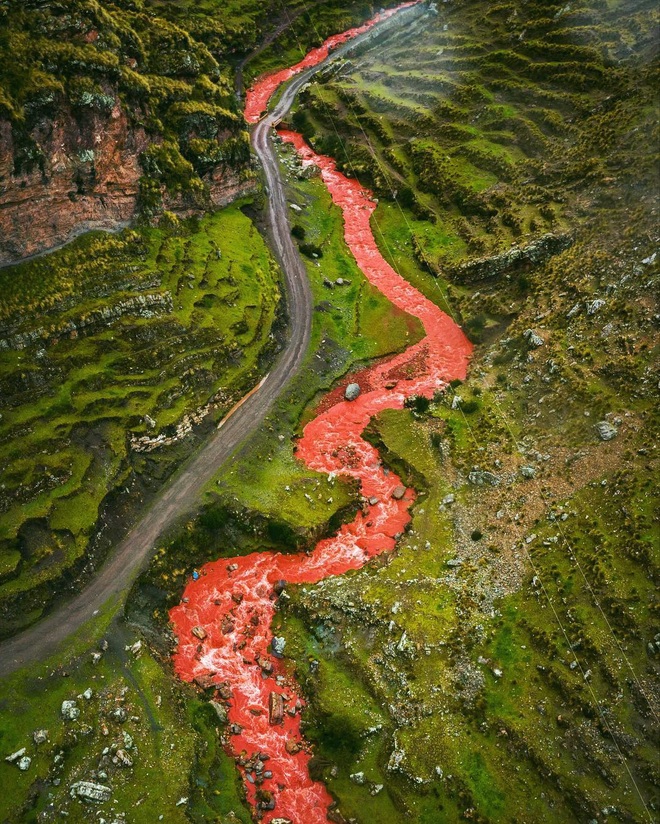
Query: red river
[(223, 624)]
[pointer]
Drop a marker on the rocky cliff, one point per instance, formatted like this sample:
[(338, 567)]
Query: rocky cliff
[(86, 175)]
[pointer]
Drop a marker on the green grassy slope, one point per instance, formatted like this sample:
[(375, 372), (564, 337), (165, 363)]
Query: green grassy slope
[(88, 367)]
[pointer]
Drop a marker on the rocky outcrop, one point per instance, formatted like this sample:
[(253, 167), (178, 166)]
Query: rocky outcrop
[(83, 174), (516, 259), (145, 306), (77, 172)]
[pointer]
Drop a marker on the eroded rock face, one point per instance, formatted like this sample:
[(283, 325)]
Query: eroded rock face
[(83, 172), (86, 177)]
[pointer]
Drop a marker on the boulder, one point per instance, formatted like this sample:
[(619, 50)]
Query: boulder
[(69, 710), (220, 711), (204, 681), (24, 763), (533, 338), (90, 791), (199, 632), (352, 391), (278, 645), (16, 755), (124, 759), (398, 492), (275, 708), (606, 431), (527, 471), (40, 736), (482, 478)]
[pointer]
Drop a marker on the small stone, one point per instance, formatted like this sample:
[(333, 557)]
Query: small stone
[(593, 306), (481, 478), (87, 694), (199, 632), (352, 391), (448, 499)]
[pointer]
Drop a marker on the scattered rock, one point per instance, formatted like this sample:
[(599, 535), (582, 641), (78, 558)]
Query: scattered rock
[(265, 664), (352, 391), (134, 648), (527, 471), (448, 499), (90, 791), (87, 694)]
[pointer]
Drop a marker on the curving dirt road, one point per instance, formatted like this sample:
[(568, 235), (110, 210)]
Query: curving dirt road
[(182, 492)]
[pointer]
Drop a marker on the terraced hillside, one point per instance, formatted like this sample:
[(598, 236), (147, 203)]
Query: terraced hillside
[(111, 350)]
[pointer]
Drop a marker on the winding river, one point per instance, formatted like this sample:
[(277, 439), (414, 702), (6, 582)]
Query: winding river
[(223, 623)]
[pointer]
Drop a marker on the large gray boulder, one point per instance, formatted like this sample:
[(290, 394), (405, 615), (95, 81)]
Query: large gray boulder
[(352, 391)]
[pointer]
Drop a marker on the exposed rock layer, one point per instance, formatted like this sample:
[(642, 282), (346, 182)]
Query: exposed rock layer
[(87, 176)]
